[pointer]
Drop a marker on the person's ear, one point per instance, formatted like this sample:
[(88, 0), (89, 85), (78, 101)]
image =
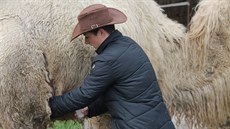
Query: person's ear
[(100, 31)]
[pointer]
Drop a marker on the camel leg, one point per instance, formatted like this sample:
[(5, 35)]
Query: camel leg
[(99, 122)]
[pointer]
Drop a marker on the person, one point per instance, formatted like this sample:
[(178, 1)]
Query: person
[(122, 80)]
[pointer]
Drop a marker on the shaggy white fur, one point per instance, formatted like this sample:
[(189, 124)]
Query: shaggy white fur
[(37, 59)]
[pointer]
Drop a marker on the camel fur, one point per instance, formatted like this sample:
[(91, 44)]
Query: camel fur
[(37, 59)]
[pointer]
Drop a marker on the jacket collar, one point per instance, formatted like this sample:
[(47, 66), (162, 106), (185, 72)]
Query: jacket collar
[(113, 36)]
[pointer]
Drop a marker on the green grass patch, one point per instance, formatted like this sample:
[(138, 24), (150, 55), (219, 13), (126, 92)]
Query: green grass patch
[(70, 124)]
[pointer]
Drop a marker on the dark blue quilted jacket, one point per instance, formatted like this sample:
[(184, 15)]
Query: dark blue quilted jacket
[(122, 81)]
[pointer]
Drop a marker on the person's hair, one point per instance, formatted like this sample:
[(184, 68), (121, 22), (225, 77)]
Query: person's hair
[(108, 28)]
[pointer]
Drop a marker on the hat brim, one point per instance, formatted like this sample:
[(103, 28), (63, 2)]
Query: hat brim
[(117, 18)]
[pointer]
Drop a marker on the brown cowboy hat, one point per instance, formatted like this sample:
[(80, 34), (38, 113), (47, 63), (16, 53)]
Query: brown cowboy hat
[(97, 15)]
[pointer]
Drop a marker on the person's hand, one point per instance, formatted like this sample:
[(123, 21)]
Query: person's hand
[(81, 113)]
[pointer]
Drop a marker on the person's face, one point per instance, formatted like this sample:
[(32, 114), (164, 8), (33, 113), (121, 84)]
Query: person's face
[(95, 40), (92, 39)]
